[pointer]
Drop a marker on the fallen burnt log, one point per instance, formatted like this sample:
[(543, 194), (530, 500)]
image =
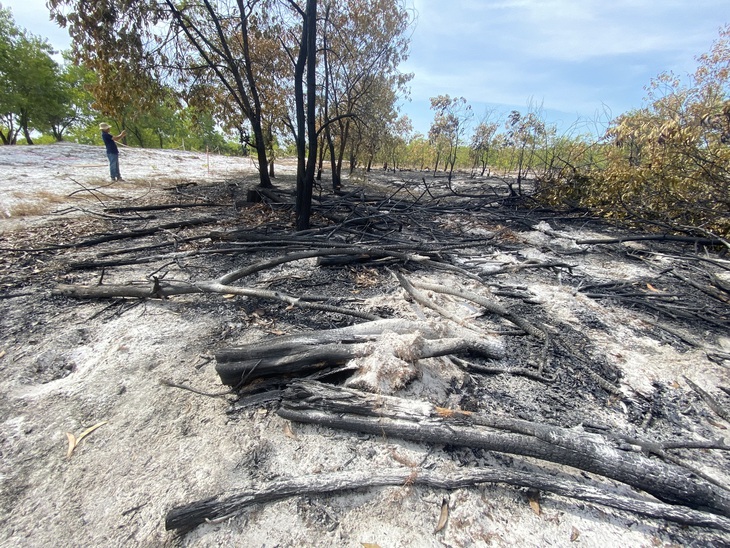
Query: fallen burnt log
[(305, 352), (679, 305), (212, 510), (159, 207), (653, 237), (134, 233), (353, 410), (160, 289)]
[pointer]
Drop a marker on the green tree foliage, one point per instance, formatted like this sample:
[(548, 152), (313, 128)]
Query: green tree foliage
[(418, 152), (448, 129), (397, 135), (169, 124), (483, 143), (75, 84), (34, 94), (377, 131), (524, 135)]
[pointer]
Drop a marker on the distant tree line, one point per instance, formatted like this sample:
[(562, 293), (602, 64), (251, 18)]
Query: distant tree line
[(665, 166), (321, 80)]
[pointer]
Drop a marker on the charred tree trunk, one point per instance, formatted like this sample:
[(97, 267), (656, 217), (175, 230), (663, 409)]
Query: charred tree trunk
[(320, 153), (306, 137), (336, 175), (328, 140)]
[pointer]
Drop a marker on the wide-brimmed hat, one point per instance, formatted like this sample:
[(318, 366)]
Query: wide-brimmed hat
[(104, 125)]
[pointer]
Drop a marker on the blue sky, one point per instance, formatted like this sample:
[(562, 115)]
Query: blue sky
[(578, 59)]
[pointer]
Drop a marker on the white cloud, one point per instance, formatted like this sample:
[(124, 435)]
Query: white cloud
[(575, 55), (568, 30)]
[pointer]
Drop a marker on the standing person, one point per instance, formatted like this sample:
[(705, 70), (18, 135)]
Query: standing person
[(112, 152)]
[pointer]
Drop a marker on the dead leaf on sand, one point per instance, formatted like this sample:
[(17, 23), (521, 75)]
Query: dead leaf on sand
[(71, 444), (444, 517), (288, 432), (533, 496), (74, 441)]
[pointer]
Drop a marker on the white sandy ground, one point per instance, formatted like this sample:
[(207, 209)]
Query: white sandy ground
[(43, 173), (162, 447)]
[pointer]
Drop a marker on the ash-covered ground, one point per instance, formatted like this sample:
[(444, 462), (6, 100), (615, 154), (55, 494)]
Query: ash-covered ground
[(631, 326)]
